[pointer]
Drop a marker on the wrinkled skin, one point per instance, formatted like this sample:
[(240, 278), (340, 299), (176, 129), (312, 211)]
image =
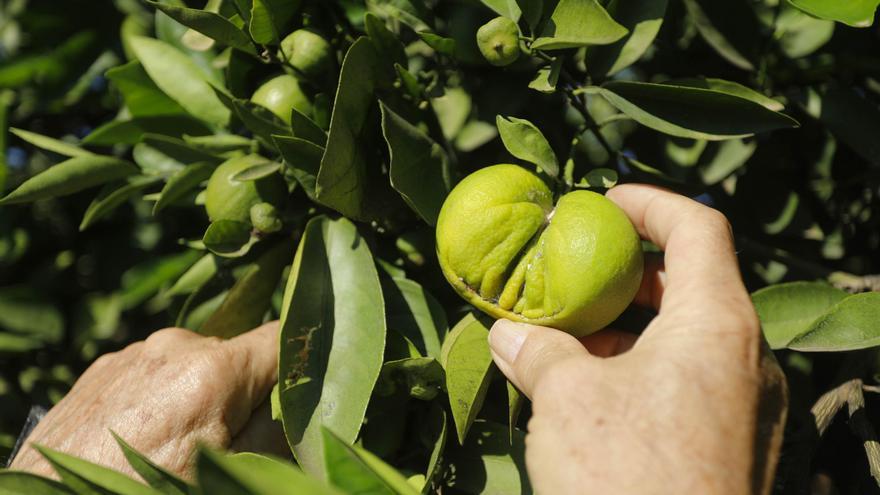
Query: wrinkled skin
[(164, 396), (696, 404)]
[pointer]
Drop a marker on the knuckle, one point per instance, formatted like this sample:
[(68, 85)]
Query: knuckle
[(167, 336)]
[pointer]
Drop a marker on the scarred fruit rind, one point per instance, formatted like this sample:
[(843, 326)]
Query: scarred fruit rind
[(498, 41), (230, 199), (307, 51), (510, 252), (282, 94)]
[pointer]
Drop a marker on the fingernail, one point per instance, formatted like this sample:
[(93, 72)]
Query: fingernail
[(506, 338)]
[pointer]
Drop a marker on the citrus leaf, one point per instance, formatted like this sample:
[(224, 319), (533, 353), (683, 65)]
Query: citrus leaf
[(643, 20), (515, 401), (112, 196), (489, 462), (303, 158), (386, 43), (852, 119), (524, 141), (788, 310), (181, 183), (195, 277), (731, 88), (546, 78), (141, 95), (257, 171), (50, 144), (22, 483), (153, 474), (416, 314), (419, 166), (247, 302), (211, 24), (691, 112), (506, 8), (729, 27), (465, 357), (85, 477), (70, 176), (438, 426), (178, 77), (254, 474), (131, 131), (439, 43), (576, 23), (856, 13), (848, 325), (332, 338), (355, 470), (227, 237)]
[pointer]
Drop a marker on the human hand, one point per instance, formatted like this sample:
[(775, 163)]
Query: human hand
[(165, 395), (694, 405)]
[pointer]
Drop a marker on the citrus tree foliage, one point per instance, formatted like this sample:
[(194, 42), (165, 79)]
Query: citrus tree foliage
[(196, 164)]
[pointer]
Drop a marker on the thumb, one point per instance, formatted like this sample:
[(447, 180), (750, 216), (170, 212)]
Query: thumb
[(255, 357), (524, 353)]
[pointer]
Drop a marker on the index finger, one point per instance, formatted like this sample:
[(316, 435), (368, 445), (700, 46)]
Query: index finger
[(702, 273)]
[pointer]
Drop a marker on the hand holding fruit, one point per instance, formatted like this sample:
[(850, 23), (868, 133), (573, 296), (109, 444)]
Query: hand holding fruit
[(676, 411)]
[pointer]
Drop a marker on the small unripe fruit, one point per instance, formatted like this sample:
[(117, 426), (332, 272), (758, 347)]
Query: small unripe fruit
[(282, 94), (508, 250), (230, 199), (264, 218), (498, 41), (307, 52)]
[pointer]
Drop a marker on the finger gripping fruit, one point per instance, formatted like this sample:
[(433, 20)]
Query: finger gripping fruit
[(498, 41), (508, 250)]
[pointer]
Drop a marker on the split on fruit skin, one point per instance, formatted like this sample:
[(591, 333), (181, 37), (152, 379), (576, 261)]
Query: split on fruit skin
[(507, 250)]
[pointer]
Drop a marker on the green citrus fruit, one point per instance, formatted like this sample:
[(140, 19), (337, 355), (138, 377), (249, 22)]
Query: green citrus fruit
[(508, 250), (498, 41), (307, 52), (230, 199), (280, 95), (264, 217)]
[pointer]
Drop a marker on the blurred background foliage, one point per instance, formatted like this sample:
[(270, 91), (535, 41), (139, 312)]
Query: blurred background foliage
[(803, 202)]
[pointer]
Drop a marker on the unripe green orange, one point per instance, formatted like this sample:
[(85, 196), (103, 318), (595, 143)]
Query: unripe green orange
[(264, 217), (498, 41), (307, 52), (282, 94), (230, 199), (508, 250)]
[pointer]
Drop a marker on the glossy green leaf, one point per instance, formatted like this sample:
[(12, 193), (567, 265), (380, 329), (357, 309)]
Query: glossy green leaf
[(546, 78), (257, 171), (180, 79), (247, 302), (130, 131), (85, 477), (269, 18), (254, 474), (600, 177), (306, 128), (856, 13), (22, 483), (416, 314), (524, 141), (179, 149), (302, 158), (258, 119), (643, 20), (221, 143), (691, 112), (111, 197), (227, 237), (421, 377), (731, 88), (465, 357), (724, 158), (419, 166), (182, 183), (506, 8), (790, 309), (50, 144), (211, 24), (145, 279), (332, 338), (800, 34), (848, 325), (195, 277), (70, 176), (354, 470), (141, 95), (576, 23), (489, 463), (729, 27), (341, 183), (439, 43), (155, 475), (385, 42)]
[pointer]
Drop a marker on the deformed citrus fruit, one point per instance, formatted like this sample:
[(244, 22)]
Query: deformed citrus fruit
[(508, 250), (498, 41)]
